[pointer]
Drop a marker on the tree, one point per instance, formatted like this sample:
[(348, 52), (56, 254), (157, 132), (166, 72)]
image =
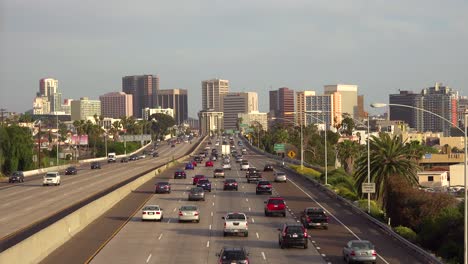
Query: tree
[(347, 125), (161, 123), (389, 158), (348, 152), (16, 148)]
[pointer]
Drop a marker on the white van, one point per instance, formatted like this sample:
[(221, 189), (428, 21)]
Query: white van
[(111, 157), (51, 178)]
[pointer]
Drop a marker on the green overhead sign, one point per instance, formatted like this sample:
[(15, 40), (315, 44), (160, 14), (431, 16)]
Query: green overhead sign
[(244, 125), (279, 148)]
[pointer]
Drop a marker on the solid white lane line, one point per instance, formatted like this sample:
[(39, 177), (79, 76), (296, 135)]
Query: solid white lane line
[(258, 237), (160, 236), (332, 215), (207, 243), (148, 259), (263, 255)]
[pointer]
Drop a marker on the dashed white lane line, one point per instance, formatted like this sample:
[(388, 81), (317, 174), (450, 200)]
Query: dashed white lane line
[(160, 236), (318, 248), (250, 209), (263, 255), (210, 227), (246, 199), (184, 193), (174, 209), (211, 213), (213, 203), (207, 243), (258, 237), (253, 220), (168, 221), (214, 195), (148, 259)]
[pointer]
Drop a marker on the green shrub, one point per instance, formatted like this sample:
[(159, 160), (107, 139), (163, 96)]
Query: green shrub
[(407, 233), (375, 210), (306, 171), (346, 193)]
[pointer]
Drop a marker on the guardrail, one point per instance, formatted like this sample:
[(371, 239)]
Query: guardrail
[(427, 256), (49, 236)]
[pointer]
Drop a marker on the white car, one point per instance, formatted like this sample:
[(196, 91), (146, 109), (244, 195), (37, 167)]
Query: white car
[(236, 223), (51, 178), (152, 212), (142, 156), (189, 213), (217, 143), (280, 176), (227, 166), (245, 165)]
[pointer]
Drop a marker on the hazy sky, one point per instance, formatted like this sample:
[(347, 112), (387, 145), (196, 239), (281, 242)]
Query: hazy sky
[(88, 45)]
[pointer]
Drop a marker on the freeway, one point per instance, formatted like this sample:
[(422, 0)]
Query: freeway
[(24, 203)]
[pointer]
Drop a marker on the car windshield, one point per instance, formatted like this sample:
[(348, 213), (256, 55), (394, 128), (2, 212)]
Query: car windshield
[(280, 174), (219, 170), (312, 212), (16, 173), (244, 162), (230, 180), (50, 175), (188, 208), (234, 255), (203, 181), (197, 190), (163, 183), (294, 229), (263, 183), (235, 217), (359, 245), (151, 208), (276, 201)]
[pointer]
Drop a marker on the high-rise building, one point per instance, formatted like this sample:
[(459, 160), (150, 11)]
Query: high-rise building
[(212, 90), (47, 86), (41, 105), (84, 108), (361, 113), (282, 105), (66, 106), (144, 89), (147, 112), (48, 90), (462, 109), (440, 100), (235, 103), (116, 104), (55, 100), (210, 122), (323, 109), (349, 97), (176, 99), (300, 105)]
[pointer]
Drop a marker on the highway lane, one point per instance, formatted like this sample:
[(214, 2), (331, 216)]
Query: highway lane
[(25, 203), (173, 242), (345, 224)]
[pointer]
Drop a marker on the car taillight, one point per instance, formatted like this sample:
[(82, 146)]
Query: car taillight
[(196, 213), (353, 253), (308, 219), (144, 212), (305, 233), (269, 185), (374, 253), (224, 224), (158, 212), (180, 213), (235, 183)]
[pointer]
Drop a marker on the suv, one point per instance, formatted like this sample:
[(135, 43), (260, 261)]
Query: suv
[(51, 178), (268, 167), (275, 205), (233, 255), (218, 173), (95, 165), (264, 186), (236, 223), (17, 176), (71, 171), (314, 217), (293, 235), (244, 165)]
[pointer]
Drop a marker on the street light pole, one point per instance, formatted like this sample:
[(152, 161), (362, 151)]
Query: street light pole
[(57, 158), (368, 162)]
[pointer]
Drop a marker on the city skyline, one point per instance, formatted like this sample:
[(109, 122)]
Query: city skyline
[(381, 47)]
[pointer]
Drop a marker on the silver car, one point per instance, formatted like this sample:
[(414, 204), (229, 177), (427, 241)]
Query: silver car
[(280, 176), (359, 251), (189, 213), (196, 193)]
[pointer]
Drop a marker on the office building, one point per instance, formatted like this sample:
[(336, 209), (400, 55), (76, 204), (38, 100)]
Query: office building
[(254, 118), (349, 97), (41, 105), (361, 113), (410, 116), (66, 106), (210, 122), (176, 99), (116, 104), (300, 106), (282, 105), (193, 123), (212, 90), (84, 108), (144, 89), (147, 112), (235, 103), (48, 91), (47, 86), (323, 109)]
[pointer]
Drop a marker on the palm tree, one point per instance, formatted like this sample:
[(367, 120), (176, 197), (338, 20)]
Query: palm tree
[(348, 152), (390, 159)]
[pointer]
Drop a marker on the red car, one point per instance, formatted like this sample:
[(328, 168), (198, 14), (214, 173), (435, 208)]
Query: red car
[(194, 163), (196, 178), (275, 205), (209, 163)]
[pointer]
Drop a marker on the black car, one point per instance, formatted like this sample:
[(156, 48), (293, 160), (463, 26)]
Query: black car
[(230, 184), (95, 165), (229, 255), (198, 159), (155, 154), (172, 146), (17, 176), (292, 234), (163, 187), (124, 160), (133, 157), (180, 174), (205, 184), (264, 186), (268, 167), (71, 171)]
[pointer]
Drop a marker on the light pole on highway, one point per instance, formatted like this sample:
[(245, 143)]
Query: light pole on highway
[(325, 133), (465, 232)]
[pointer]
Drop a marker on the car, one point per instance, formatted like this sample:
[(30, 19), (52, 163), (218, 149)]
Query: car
[(230, 184), (359, 251), (196, 178), (141, 156), (209, 143), (51, 178), (314, 217), (219, 172), (293, 234), (229, 255), (205, 184), (239, 159), (214, 158), (198, 159), (133, 157), (163, 187), (217, 143), (189, 213), (180, 174), (236, 223), (155, 154), (16, 176), (264, 186), (268, 167), (209, 163), (251, 170), (194, 163), (227, 166), (152, 212), (111, 157), (280, 176), (275, 205), (71, 170), (196, 193), (172, 146), (244, 165), (95, 165), (124, 160), (189, 166)]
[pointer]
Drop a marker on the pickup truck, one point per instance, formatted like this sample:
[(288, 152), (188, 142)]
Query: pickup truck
[(254, 177), (314, 217), (236, 223)]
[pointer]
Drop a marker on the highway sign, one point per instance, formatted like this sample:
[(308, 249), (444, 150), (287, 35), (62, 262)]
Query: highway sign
[(244, 125), (279, 148), (229, 131), (368, 187), (292, 154), (249, 130), (128, 138)]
